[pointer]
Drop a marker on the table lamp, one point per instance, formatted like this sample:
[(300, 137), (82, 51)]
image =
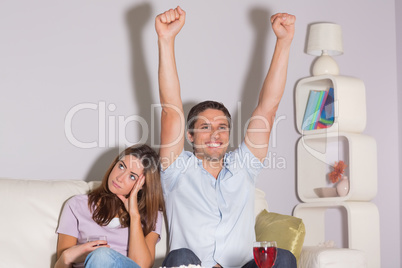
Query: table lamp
[(325, 40)]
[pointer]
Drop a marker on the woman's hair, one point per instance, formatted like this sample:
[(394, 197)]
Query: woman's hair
[(105, 205)]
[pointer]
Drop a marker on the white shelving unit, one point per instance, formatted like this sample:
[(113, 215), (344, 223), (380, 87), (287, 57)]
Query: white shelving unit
[(317, 151)]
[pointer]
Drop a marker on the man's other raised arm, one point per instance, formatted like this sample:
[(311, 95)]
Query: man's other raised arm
[(262, 120), (168, 25)]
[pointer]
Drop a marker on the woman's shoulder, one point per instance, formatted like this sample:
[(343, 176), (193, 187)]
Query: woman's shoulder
[(79, 197), (77, 200)]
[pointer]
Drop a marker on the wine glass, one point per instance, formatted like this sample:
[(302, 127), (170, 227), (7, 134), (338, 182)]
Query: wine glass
[(96, 238), (264, 253)]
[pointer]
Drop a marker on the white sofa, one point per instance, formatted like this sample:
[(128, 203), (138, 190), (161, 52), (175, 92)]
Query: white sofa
[(30, 211)]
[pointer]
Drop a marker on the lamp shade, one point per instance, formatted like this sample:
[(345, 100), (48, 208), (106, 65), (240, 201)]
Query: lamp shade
[(325, 37)]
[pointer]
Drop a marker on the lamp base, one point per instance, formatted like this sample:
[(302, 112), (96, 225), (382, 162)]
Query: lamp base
[(325, 65)]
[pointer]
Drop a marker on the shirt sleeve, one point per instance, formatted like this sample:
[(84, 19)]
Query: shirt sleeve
[(170, 175), (255, 165), (242, 159), (159, 225), (68, 223)]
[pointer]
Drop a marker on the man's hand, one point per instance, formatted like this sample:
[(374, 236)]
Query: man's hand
[(169, 23), (283, 25)]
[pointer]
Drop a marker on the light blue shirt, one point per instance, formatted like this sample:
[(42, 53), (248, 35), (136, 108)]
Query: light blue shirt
[(212, 217)]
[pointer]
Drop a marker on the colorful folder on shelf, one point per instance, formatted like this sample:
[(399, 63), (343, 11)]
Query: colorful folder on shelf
[(319, 110), (327, 114), (320, 105), (311, 110)]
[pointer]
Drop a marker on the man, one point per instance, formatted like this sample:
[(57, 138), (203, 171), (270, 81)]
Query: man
[(209, 193)]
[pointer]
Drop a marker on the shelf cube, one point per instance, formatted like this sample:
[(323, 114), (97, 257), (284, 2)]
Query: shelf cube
[(316, 154), (349, 102), (363, 226)]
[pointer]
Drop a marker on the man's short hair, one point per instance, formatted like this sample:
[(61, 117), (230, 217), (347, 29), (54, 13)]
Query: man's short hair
[(202, 106)]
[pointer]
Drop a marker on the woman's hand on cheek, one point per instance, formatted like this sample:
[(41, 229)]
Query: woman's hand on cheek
[(130, 203), (132, 199)]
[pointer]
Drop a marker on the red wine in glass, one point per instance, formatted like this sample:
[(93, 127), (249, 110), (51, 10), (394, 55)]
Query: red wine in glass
[(264, 254)]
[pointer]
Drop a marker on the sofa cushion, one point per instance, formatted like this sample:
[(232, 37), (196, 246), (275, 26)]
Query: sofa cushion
[(260, 202), (287, 231), (31, 210), (323, 257)]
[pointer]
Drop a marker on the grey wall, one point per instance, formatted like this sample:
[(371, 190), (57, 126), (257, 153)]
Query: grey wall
[(100, 59)]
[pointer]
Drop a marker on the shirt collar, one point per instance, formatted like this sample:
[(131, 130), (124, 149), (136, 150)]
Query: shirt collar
[(226, 164)]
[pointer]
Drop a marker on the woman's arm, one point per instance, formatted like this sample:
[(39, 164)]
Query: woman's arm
[(141, 249), (68, 252), (64, 242)]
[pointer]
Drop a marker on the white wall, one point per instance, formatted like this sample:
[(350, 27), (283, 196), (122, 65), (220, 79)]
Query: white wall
[(59, 56), (398, 22)]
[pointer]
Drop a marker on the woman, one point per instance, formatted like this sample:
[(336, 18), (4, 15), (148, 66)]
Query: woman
[(126, 208)]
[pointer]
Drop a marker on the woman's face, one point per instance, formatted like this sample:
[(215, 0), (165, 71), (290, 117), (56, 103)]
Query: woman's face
[(124, 174)]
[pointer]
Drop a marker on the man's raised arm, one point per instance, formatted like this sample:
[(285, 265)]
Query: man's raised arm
[(168, 25), (262, 120)]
